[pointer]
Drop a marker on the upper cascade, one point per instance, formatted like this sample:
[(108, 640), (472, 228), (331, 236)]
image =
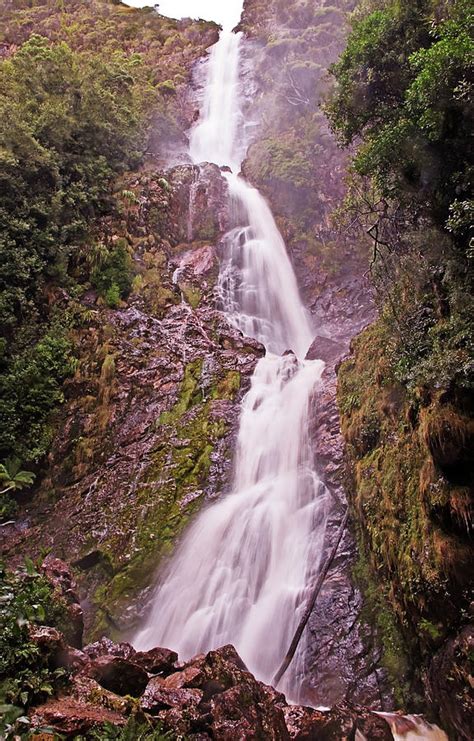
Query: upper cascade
[(257, 285), (214, 138)]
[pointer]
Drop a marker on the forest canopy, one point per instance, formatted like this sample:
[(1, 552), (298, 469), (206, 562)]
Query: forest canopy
[(404, 97), (80, 85)]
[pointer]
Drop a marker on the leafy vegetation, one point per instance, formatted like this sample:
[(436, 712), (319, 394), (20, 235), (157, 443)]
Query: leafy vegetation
[(27, 674), (79, 85), (113, 276), (135, 730), (69, 122), (403, 95), (402, 101)]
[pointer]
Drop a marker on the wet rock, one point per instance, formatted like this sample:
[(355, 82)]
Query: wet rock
[(157, 697), (118, 675), (59, 574), (190, 676), (157, 660), (342, 723), (73, 659), (72, 717), (450, 684), (106, 647), (243, 712), (200, 204), (301, 721), (199, 260), (49, 641), (323, 348)]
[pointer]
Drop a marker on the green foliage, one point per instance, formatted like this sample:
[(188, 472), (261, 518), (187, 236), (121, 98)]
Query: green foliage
[(26, 672), (403, 95), (135, 730), (68, 122), (113, 277), (31, 387), (8, 507), (13, 477)]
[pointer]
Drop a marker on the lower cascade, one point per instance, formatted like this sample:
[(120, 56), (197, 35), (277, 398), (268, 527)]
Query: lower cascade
[(242, 572), (239, 576)]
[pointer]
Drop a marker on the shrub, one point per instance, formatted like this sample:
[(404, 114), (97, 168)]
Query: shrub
[(26, 673), (114, 277)]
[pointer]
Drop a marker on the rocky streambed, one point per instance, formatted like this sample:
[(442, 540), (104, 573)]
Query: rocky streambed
[(210, 696)]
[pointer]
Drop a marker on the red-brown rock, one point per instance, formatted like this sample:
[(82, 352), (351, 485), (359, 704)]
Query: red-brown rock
[(239, 713), (106, 647), (157, 697), (157, 660), (59, 575), (73, 717), (118, 675), (339, 724)]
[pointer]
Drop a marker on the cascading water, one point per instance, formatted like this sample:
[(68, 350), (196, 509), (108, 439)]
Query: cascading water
[(240, 575), (215, 139), (242, 571)]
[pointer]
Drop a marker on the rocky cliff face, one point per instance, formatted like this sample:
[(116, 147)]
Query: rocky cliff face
[(147, 431), (295, 161), (146, 435)]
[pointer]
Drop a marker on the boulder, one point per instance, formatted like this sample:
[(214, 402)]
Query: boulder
[(157, 697), (190, 676), (323, 348), (157, 660), (301, 721), (344, 722), (54, 649), (50, 641), (118, 675), (106, 647), (72, 717), (242, 712)]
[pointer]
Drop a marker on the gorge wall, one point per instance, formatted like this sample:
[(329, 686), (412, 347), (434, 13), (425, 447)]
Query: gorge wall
[(146, 431)]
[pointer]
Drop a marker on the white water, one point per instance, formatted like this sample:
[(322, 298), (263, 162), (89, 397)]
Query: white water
[(215, 139), (242, 571), (413, 728)]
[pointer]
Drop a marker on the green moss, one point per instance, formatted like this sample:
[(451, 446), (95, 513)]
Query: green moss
[(434, 632), (192, 295), (189, 391), (170, 492), (378, 612), (228, 386), (409, 567), (168, 87)]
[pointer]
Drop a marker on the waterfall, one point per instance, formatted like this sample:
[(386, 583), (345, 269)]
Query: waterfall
[(215, 139), (242, 570)]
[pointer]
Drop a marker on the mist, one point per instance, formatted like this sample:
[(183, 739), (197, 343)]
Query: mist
[(226, 14)]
